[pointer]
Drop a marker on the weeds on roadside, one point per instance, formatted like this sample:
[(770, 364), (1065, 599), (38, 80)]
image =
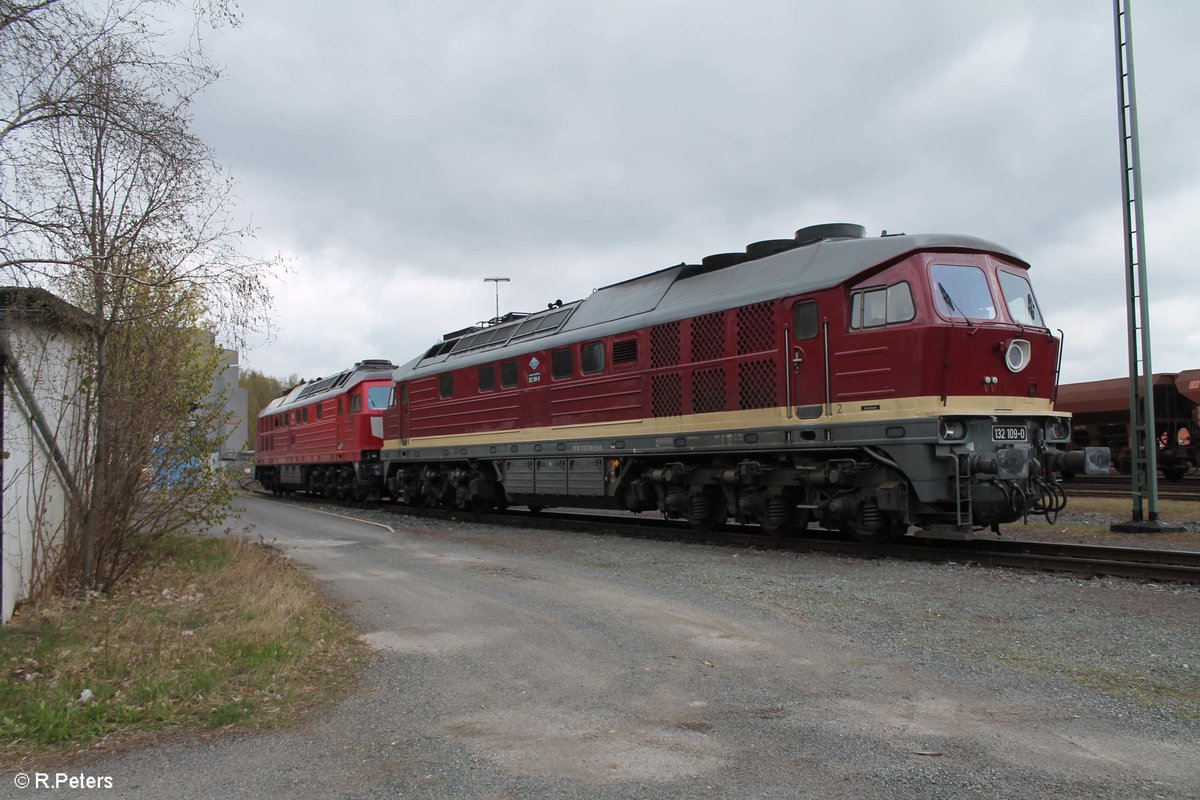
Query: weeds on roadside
[(215, 632)]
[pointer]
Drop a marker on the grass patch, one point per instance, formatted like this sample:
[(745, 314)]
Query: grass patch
[(217, 632), (1090, 517), (1178, 695), (1120, 507)]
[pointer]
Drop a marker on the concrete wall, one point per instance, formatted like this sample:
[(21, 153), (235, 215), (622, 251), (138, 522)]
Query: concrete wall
[(236, 401), (45, 351), (41, 334)]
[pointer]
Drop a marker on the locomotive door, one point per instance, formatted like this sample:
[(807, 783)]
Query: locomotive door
[(341, 421), (349, 421), (808, 375), (404, 406)]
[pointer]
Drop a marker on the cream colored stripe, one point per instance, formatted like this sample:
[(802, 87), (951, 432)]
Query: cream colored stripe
[(757, 419)]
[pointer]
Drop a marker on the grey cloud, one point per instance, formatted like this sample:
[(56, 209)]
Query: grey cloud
[(571, 144)]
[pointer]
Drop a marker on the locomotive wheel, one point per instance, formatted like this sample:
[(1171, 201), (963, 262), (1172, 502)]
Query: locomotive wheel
[(872, 535), (1174, 474), (795, 526), (779, 528), (872, 527), (705, 512), (479, 505), (779, 519)]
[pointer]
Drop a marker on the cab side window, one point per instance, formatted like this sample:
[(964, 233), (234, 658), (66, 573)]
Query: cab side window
[(900, 306), (881, 305)]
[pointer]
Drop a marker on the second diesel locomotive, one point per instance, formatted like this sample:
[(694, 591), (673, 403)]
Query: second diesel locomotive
[(324, 436), (868, 384)]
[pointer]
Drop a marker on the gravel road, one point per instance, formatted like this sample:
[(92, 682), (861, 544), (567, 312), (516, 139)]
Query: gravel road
[(526, 663)]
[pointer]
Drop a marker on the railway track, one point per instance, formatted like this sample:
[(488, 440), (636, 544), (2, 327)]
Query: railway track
[(1177, 566), (1092, 560), (1186, 490)]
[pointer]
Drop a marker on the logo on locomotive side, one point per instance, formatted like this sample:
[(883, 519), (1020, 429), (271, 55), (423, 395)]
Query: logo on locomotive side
[(533, 363)]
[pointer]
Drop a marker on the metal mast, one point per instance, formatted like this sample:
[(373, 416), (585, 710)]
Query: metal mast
[(496, 319), (1143, 448)]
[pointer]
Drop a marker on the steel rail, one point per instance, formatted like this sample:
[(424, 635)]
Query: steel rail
[(1146, 564)]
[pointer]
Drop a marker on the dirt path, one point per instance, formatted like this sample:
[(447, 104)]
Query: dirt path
[(536, 664)]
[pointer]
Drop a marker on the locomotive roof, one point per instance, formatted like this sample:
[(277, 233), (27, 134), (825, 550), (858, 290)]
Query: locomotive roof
[(321, 388), (688, 290)]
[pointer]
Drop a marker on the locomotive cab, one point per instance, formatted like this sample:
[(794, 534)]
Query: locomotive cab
[(323, 437), (1004, 443)]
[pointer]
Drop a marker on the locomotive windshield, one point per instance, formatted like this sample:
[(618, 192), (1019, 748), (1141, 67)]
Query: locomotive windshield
[(1018, 297), (962, 291), (377, 397)]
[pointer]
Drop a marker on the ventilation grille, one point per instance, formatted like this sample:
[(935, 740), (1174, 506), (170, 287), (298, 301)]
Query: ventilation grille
[(625, 351), (666, 396), (708, 337), (664, 345), (708, 390), (755, 331), (756, 384)]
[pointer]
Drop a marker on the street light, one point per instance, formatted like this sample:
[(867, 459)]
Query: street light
[(497, 281)]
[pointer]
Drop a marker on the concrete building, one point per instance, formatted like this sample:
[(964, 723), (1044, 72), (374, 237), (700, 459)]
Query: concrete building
[(234, 401), (41, 338), (41, 347)]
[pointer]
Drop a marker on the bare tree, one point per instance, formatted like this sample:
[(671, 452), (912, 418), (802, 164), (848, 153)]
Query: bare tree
[(152, 436), (110, 200), (46, 46), (39, 43)]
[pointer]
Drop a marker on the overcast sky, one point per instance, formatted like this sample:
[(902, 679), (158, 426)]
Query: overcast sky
[(400, 152)]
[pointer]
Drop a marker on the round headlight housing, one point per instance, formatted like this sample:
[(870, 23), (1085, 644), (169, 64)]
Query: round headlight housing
[(1017, 355), (952, 430), (1058, 430)]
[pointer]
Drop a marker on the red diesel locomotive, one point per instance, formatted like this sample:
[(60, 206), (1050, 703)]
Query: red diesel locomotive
[(868, 384), (324, 436)]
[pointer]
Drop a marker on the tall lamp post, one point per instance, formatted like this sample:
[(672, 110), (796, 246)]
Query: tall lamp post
[(497, 281)]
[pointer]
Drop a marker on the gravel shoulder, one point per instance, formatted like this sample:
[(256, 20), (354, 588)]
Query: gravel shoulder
[(527, 663), (1085, 526)]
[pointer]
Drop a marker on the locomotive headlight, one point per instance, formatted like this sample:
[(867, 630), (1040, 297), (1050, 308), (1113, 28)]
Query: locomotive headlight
[(1017, 355), (1058, 430), (952, 430)]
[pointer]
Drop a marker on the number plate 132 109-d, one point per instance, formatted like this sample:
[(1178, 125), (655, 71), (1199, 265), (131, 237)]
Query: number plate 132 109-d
[(1009, 433)]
